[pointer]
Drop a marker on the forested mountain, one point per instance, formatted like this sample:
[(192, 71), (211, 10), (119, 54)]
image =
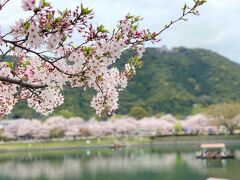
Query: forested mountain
[(171, 81)]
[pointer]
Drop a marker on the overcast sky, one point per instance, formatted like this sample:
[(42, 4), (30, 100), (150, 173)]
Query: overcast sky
[(217, 28)]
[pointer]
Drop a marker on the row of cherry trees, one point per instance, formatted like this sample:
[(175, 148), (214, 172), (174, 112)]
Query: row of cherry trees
[(46, 60), (76, 127)]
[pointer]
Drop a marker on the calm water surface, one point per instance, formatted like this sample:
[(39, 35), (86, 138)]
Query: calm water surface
[(126, 164)]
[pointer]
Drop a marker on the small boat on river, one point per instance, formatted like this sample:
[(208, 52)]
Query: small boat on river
[(214, 151)]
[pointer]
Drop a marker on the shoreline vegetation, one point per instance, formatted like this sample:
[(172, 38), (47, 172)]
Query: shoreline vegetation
[(192, 141), (59, 133)]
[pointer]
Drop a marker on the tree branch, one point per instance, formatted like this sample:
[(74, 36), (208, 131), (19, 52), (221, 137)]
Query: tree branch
[(22, 83), (3, 4)]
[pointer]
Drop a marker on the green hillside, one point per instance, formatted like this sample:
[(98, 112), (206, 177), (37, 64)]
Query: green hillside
[(171, 81)]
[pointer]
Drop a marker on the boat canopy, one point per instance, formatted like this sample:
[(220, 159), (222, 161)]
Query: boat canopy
[(212, 146)]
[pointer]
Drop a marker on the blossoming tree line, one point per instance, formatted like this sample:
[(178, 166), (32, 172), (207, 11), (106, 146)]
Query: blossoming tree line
[(59, 127), (46, 60)]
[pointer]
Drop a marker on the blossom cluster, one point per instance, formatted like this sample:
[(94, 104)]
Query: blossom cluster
[(46, 60)]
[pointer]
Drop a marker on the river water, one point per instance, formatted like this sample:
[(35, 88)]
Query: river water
[(148, 163)]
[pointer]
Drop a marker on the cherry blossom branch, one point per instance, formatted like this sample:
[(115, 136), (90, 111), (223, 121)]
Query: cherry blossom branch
[(15, 44), (3, 4), (186, 11), (47, 60), (22, 83)]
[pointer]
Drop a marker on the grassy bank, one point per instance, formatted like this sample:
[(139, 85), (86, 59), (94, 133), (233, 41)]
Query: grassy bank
[(171, 143), (106, 142), (196, 139)]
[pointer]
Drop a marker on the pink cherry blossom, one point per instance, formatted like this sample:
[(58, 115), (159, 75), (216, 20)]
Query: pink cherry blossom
[(47, 59), (28, 5)]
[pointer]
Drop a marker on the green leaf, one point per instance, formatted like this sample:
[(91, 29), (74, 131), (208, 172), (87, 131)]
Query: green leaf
[(135, 27), (25, 63), (130, 17), (184, 7), (50, 16), (99, 78), (45, 3), (136, 19), (136, 62), (64, 38), (26, 25), (87, 50), (201, 2), (85, 11), (57, 20), (102, 29), (39, 67), (10, 65), (48, 26)]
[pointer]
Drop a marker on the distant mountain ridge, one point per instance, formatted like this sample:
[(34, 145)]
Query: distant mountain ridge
[(171, 81)]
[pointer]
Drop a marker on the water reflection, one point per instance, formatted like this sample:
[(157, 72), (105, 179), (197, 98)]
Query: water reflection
[(193, 163), (107, 164), (128, 164), (237, 154)]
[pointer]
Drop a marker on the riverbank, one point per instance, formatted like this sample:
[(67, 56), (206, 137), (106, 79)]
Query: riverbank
[(62, 144), (171, 143), (108, 142), (196, 140)]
